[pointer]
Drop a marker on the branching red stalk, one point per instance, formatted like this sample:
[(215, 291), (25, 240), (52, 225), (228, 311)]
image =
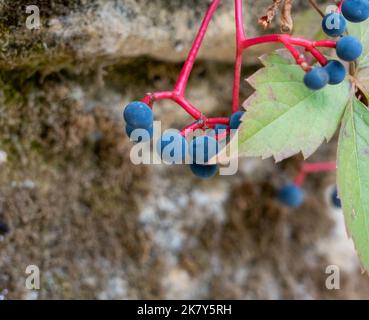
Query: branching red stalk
[(177, 95), (242, 43)]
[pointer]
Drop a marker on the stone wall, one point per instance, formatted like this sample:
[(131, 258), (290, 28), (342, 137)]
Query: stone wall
[(98, 226)]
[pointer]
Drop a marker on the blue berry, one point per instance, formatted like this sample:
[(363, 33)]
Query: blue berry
[(336, 71), (316, 79), (334, 24), (172, 148), (349, 48), (335, 199), (4, 229), (204, 171), (202, 149), (138, 115), (291, 196), (140, 135), (356, 10), (235, 121), (219, 132), (220, 128)]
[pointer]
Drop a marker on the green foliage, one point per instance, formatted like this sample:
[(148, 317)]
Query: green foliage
[(284, 117), (353, 175)]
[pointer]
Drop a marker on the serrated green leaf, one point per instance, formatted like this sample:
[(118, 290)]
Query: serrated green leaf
[(274, 58), (284, 117), (361, 31), (362, 81), (353, 175)]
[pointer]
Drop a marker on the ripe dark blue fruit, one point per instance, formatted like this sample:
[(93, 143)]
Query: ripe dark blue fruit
[(356, 10), (202, 149), (4, 229), (334, 24), (316, 79), (349, 48), (335, 199), (204, 171), (220, 128), (140, 135), (138, 115), (236, 119), (291, 196), (172, 148), (336, 71)]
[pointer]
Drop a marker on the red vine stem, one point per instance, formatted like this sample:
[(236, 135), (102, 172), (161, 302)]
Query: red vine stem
[(313, 168), (192, 127), (340, 6), (242, 43), (180, 87)]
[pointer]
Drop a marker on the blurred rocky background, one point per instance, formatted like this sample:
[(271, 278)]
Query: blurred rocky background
[(99, 227)]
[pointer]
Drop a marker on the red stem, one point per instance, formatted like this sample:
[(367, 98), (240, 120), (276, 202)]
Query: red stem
[(240, 36), (187, 68), (192, 127), (215, 121), (242, 43), (340, 6), (187, 106), (308, 168)]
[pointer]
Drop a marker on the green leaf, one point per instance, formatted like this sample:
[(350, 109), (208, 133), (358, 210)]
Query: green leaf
[(353, 175), (361, 31), (277, 57), (284, 117)]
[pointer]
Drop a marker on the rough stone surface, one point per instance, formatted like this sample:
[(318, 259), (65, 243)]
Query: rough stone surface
[(81, 33), (99, 227)]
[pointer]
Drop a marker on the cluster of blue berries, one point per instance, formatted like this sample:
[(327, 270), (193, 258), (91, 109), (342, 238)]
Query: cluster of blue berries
[(139, 115), (203, 148), (348, 48), (292, 196)]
